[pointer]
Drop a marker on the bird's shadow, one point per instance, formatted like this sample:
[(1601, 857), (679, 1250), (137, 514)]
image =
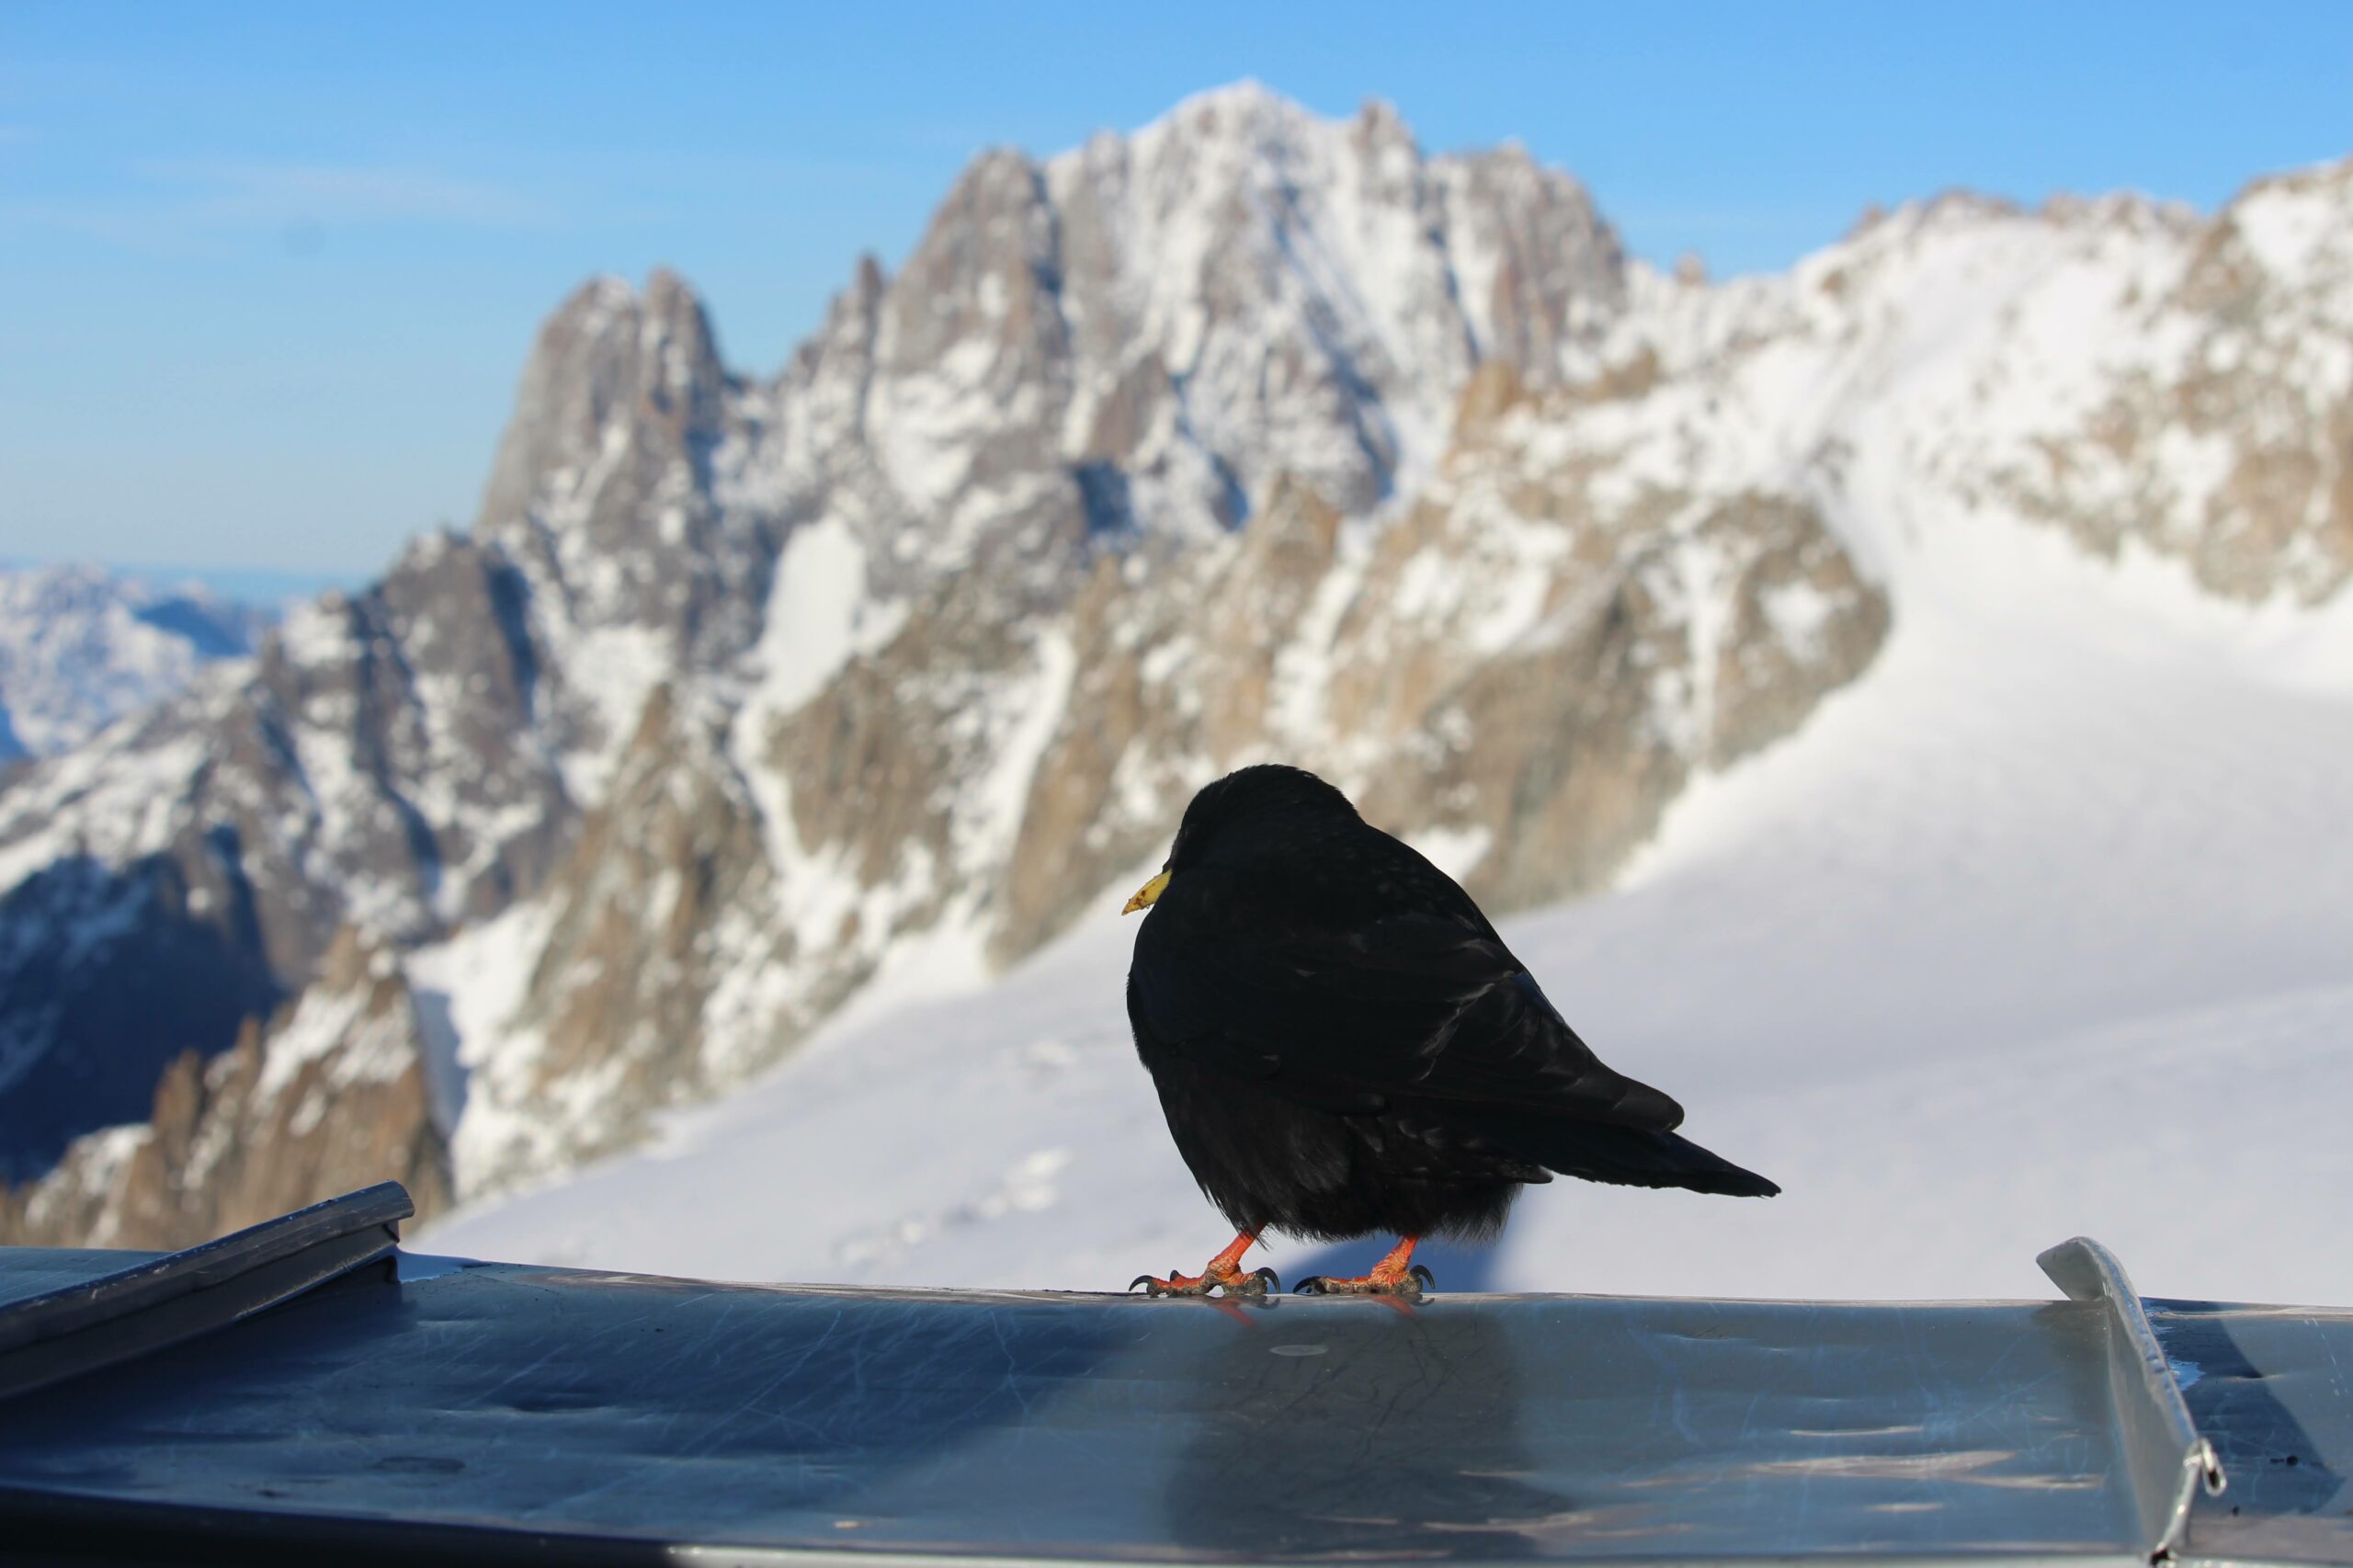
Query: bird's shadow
[(1458, 1266)]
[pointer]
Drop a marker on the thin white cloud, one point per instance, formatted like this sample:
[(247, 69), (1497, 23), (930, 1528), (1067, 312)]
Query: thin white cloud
[(203, 206), (230, 192)]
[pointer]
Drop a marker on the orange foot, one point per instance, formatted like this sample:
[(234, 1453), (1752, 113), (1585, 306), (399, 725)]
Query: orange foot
[(1222, 1272), (1396, 1274)]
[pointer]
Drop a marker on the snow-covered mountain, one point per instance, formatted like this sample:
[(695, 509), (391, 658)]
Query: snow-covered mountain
[(81, 647), (1247, 434)]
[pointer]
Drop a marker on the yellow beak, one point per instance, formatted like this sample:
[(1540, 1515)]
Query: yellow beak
[(1146, 893)]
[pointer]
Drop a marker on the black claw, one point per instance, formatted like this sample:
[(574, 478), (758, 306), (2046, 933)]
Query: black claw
[(1429, 1281), (1150, 1286), (1268, 1281), (1311, 1286)]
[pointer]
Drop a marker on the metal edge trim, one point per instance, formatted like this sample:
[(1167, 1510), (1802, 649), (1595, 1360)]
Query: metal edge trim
[(188, 1532), (2170, 1459), (72, 1308), (162, 1302)]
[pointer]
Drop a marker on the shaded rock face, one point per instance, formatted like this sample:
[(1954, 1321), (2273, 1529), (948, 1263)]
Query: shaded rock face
[(110, 974), (334, 1092), (1249, 435)]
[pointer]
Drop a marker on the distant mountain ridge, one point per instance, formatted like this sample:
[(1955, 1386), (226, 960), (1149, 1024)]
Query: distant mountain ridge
[(1249, 434), (81, 647)]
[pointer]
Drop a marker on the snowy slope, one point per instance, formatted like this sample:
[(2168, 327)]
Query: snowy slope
[(2040, 929)]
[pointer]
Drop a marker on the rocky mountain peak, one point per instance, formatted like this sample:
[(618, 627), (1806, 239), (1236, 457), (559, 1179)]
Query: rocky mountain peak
[(611, 367), (686, 380), (1137, 336), (1378, 123), (1245, 113), (2280, 236), (1131, 339), (852, 318), (602, 493)]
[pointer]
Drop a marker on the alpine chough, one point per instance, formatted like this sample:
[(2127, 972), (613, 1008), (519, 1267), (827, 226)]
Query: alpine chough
[(1343, 1046)]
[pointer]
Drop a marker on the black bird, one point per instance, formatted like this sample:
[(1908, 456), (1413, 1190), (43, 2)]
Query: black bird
[(1343, 1046)]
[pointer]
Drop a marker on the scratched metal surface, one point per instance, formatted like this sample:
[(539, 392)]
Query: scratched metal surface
[(1469, 1428), (34, 1271), (2273, 1388)]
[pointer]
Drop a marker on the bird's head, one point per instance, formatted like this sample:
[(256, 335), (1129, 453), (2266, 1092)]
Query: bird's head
[(1244, 796)]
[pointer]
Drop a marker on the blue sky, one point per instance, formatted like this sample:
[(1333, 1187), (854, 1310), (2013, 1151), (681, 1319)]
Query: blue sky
[(270, 272)]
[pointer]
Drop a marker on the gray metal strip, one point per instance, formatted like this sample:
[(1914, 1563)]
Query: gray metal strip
[(2170, 1459), (155, 1280), (160, 1302)]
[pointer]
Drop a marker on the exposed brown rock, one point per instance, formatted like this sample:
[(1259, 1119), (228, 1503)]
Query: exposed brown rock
[(1493, 390), (627, 969), (2247, 386), (1559, 748)]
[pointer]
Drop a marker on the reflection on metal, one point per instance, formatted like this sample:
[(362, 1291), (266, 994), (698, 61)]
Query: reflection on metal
[(2170, 1461), (2273, 1388), (487, 1409)]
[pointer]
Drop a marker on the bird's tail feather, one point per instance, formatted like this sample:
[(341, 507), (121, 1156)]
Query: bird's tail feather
[(1627, 1156)]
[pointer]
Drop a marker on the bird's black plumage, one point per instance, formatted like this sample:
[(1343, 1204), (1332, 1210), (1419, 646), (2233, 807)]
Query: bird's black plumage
[(1344, 1045)]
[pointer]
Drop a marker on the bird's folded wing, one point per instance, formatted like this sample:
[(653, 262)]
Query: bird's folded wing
[(1420, 1005)]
